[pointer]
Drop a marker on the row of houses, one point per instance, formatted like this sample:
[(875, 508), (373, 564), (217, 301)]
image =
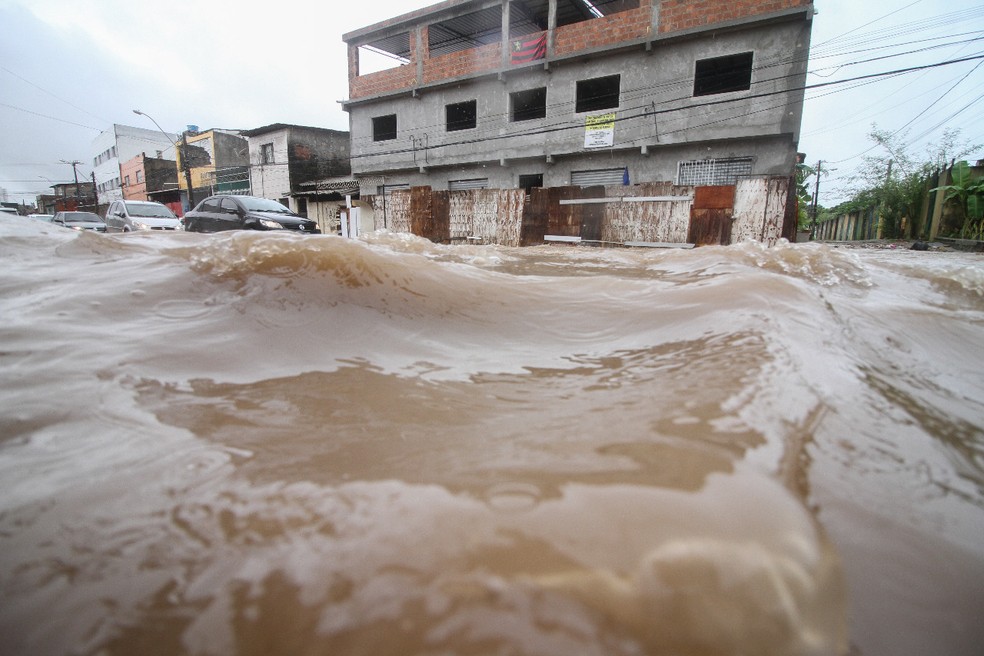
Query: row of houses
[(520, 95)]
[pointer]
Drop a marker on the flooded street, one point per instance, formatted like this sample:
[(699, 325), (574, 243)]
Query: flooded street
[(270, 444)]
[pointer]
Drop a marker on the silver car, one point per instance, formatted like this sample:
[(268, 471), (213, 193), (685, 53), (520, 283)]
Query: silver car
[(130, 215), (80, 221)]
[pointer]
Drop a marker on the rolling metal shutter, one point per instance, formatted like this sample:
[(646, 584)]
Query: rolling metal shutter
[(465, 185), (597, 177)]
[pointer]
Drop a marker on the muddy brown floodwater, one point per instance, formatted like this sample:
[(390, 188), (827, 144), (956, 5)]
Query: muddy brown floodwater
[(266, 444)]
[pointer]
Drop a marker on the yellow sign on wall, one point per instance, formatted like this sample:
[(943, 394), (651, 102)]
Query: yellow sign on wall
[(599, 131)]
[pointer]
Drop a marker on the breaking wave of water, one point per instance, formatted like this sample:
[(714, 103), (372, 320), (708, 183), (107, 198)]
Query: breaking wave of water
[(262, 443)]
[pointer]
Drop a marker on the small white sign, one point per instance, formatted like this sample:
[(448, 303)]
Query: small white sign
[(599, 131)]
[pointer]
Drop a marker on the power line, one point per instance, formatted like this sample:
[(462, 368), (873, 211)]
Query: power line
[(913, 119), (645, 91), (648, 113), (60, 120), (56, 97)]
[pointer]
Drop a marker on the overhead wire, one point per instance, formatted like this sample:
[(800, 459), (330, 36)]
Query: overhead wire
[(648, 113), (643, 92)]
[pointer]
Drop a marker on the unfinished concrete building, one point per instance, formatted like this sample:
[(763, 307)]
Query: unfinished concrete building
[(519, 94)]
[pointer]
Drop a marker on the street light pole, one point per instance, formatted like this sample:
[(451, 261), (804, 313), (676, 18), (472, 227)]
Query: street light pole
[(182, 152)]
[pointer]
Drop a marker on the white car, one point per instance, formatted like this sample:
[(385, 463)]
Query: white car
[(130, 215)]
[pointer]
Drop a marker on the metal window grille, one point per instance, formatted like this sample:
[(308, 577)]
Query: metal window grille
[(713, 171)]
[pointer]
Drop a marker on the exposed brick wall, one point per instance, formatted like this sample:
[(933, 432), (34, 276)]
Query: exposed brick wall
[(371, 84), (677, 15), (623, 26), (464, 62), (674, 15)]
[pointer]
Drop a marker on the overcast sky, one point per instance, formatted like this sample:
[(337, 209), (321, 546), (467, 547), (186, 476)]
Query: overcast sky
[(72, 68)]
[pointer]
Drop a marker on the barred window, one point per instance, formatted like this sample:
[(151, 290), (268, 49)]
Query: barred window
[(713, 171)]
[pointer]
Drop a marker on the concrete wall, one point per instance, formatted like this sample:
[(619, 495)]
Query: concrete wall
[(300, 154), (271, 180), (316, 153), (210, 152), (153, 174), (770, 156)]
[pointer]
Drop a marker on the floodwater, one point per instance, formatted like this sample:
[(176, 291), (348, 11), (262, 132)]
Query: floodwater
[(274, 444)]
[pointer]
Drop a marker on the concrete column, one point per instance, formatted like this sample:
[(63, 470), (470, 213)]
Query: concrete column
[(551, 26), (934, 223), (419, 52), (506, 46)]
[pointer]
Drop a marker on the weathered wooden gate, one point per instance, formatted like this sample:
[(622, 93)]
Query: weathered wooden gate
[(711, 215)]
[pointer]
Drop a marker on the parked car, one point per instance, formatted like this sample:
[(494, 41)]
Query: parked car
[(80, 221), (129, 215), (219, 213), (8, 211), (47, 218)]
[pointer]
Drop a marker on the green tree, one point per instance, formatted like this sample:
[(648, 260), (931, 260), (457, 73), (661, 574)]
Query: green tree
[(896, 181), (966, 194), (805, 183)]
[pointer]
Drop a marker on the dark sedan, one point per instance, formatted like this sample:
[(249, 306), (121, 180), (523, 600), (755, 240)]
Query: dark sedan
[(219, 213)]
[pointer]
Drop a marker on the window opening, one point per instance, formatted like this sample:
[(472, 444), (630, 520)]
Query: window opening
[(266, 154), (530, 180), (383, 54), (598, 93), (472, 30), (723, 74), (461, 116), (531, 15), (384, 127), (528, 105)]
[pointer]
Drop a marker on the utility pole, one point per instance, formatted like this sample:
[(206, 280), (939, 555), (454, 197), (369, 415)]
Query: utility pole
[(74, 163), (187, 169), (95, 194), (816, 196)]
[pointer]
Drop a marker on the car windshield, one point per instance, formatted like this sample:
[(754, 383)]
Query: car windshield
[(149, 210), (253, 204), (81, 217)]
